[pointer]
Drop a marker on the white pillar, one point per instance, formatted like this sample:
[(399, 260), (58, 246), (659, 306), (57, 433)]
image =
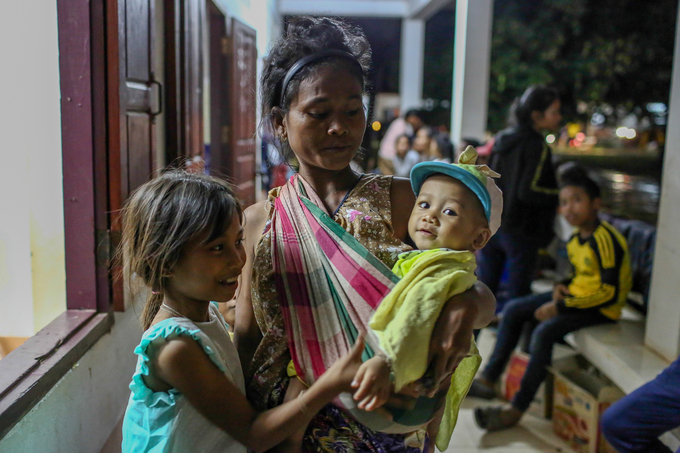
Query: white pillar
[(663, 315), (472, 53), (411, 64)]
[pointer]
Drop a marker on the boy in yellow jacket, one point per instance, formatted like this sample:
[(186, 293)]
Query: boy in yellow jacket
[(595, 295)]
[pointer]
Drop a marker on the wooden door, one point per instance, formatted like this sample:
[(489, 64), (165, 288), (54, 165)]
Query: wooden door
[(133, 98), (242, 117), (220, 49), (184, 25), (139, 93)]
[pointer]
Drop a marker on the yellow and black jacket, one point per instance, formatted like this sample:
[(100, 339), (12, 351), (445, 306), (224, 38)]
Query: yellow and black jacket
[(602, 275)]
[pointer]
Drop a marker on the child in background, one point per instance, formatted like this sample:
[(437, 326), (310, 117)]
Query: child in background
[(457, 210), (422, 141), (595, 295), (183, 240), (405, 158), (441, 148)]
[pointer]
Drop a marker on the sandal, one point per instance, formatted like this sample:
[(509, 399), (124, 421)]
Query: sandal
[(490, 419), (481, 390)]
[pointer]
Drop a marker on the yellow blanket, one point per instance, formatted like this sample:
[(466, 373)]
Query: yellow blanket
[(405, 319)]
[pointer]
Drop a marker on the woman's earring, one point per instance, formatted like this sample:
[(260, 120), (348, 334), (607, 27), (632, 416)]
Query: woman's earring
[(284, 138)]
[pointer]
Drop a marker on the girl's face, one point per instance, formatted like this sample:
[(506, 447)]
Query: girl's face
[(550, 118), (402, 146), (209, 271), (325, 123)]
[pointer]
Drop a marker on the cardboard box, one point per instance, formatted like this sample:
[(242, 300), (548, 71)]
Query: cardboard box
[(514, 373), (580, 398), (564, 358)]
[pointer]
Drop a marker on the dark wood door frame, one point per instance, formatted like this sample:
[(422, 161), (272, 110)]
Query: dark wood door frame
[(184, 21)]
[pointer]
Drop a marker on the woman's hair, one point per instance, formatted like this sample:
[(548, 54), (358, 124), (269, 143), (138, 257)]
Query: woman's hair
[(161, 217), (535, 98), (306, 36), (400, 136), (444, 145)]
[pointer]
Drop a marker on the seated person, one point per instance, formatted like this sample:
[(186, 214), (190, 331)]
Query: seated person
[(457, 210), (405, 158), (595, 295), (634, 423)]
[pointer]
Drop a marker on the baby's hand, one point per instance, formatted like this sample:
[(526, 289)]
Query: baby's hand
[(373, 383)]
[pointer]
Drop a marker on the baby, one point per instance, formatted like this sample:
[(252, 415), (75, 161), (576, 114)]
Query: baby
[(457, 210)]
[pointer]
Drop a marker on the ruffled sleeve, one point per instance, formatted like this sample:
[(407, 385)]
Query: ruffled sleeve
[(167, 330)]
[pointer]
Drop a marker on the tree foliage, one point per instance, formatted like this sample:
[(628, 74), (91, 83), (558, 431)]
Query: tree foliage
[(615, 52)]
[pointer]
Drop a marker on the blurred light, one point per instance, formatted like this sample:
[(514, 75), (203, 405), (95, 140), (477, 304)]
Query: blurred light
[(621, 132), (630, 134), (376, 125), (580, 136), (656, 107), (619, 178), (597, 119), (573, 129), (550, 138)]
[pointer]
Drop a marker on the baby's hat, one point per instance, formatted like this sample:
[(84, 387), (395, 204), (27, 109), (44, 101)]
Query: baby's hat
[(479, 178)]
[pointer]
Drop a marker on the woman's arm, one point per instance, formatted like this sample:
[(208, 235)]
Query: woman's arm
[(452, 334), (247, 335)]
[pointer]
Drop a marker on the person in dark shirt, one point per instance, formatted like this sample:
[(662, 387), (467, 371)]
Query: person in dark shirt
[(524, 160)]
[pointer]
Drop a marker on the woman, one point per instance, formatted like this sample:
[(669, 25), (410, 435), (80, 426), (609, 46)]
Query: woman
[(312, 86), (522, 157)]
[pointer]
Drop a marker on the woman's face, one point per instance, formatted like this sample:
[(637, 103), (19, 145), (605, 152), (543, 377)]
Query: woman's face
[(325, 123), (550, 118), (422, 141)]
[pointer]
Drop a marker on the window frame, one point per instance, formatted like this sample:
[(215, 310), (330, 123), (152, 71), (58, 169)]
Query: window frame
[(30, 371)]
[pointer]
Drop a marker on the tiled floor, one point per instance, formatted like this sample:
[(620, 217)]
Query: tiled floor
[(534, 433)]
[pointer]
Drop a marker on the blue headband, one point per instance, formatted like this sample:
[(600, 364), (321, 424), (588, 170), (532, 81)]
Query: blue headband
[(302, 62)]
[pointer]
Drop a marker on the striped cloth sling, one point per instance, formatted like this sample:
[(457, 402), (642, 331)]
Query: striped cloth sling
[(329, 286)]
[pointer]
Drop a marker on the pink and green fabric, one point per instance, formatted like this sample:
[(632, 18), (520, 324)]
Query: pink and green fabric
[(329, 286)]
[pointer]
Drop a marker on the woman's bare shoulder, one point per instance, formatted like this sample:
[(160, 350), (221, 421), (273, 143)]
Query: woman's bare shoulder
[(255, 218)]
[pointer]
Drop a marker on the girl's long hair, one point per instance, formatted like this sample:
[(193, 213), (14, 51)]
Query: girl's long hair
[(160, 218), (535, 98)]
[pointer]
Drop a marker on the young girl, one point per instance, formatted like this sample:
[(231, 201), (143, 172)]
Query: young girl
[(183, 241), (524, 159)]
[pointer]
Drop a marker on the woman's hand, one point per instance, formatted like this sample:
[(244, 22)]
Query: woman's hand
[(452, 334)]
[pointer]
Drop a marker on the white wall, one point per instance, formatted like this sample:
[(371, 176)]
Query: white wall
[(472, 57), (32, 277), (79, 413), (663, 317)]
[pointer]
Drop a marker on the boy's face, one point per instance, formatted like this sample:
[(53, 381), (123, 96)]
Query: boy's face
[(447, 214), (577, 207)]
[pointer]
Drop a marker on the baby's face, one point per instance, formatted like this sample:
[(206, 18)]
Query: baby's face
[(446, 215)]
